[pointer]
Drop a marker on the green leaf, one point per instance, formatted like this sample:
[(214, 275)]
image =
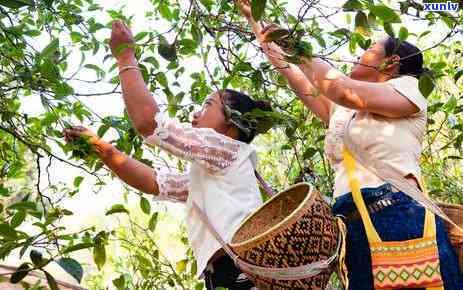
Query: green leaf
[(165, 11), (119, 282), (188, 46), (199, 286), (16, 3), (153, 221), (72, 267), (77, 247), (162, 79), (426, 85), (99, 72), (353, 42), (62, 89), (364, 44), (26, 245), (352, 5), (4, 191), (23, 205), (50, 49), (144, 261), (372, 20), (458, 75), (117, 208), (180, 266), (7, 231), (389, 29), (20, 273), (361, 23), (423, 34), (99, 251), (102, 130), (449, 21), (78, 180), (451, 104), (304, 48), (145, 205), (208, 4), (258, 8), (257, 79), (385, 13), (403, 33), (167, 51), (196, 33), (36, 258), (76, 36), (18, 219), (51, 281), (310, 152), (194, 268), (140, 36)]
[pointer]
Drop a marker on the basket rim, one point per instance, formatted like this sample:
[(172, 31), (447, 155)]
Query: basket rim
[(274, 227), (450, 205)]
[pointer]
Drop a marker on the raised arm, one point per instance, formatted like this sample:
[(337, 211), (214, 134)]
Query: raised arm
[(141, 106), (133, 172), (298, 82), (376, 97)]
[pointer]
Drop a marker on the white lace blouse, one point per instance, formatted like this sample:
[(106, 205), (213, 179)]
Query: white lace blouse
[(220, 181)]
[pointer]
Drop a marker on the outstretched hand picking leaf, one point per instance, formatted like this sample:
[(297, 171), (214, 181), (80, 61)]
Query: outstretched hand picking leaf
[(290, 42)]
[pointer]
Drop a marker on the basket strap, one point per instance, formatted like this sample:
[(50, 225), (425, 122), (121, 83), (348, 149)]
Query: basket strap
[(349, 164), (387, 173), (289, 273), (268, 190)]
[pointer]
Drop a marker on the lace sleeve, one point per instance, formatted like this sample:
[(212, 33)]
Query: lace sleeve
[(210, 149), (172, 186)]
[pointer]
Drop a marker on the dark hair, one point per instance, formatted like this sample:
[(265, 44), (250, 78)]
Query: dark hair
[(411, 58), (244, 104)]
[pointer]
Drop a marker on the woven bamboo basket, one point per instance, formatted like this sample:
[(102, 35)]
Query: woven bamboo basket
[(455, 213), (293, 228)]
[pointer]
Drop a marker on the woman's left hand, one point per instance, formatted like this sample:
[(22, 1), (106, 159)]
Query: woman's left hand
[(74, 132)]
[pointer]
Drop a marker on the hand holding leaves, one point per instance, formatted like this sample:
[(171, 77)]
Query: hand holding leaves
[(289, 41), (122, 41), (82, 141), (245, 7), (75, 132)]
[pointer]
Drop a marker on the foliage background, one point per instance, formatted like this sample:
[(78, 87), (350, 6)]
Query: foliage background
[(56, 70)]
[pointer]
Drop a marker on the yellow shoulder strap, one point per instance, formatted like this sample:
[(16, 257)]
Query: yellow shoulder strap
[(430, 218), (349, 163), (372, 234)]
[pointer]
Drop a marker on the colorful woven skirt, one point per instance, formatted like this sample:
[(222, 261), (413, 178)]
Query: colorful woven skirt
[(398, 222)]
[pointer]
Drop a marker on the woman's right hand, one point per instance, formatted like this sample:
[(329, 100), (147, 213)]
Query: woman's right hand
[(268, 30), (75, 132), (245, 7)]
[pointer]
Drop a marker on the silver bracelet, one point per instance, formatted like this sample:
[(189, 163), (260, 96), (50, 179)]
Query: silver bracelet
[(128, 67)]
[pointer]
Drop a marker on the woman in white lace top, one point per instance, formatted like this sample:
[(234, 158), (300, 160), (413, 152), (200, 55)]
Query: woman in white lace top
[(221, 177)]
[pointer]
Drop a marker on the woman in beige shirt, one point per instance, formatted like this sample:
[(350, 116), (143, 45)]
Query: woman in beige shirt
[(389, 123)]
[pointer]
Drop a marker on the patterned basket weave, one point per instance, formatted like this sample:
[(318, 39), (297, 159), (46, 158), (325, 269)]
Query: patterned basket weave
[(293, 228)]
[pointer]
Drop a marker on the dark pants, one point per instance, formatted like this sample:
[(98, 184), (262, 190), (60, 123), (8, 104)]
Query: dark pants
[(224, 273), (402, 221)]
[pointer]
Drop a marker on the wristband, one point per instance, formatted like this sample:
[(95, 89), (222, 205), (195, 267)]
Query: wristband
[(128, 67)]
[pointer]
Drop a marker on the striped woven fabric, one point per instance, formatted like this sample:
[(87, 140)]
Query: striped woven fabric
[(412, 263)]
